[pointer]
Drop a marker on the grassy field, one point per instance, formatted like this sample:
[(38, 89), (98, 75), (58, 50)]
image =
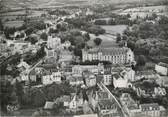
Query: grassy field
[(143, 11), (15, 24), (49, 3), (108, 39), (16, 4), (114, 29)]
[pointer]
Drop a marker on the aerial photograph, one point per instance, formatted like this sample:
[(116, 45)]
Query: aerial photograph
[(84, 58)]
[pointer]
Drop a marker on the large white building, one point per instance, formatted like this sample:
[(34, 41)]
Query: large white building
[(114, 55)]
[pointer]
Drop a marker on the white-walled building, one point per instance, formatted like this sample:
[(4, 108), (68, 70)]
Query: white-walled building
[(107, 79), (53, 42), (23, 65), (162, 68), (78, 69), (152, 110), (113, 55), (75, 80), (51, 77), (119, 82), (129, 74), (66, 44)]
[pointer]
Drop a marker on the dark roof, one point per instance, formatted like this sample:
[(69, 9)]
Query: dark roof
[(163, 64), (110, 50), (106, 104), (117, 76)]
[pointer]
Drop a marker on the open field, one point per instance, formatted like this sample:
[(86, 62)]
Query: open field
[(114, 29), (143, 11), (16, 4), (107, 40), (15, 24)]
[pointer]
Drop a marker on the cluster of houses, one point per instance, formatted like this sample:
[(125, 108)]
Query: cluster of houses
[(137, 110), (102, 104), (87, 76), (80, 74), (72, 102), (56, 68)]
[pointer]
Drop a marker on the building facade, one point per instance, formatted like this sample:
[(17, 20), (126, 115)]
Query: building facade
[(50, 78), (113, 55), (153, 110)]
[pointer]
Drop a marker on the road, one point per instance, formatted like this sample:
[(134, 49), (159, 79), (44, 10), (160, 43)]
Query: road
[(104, 88)]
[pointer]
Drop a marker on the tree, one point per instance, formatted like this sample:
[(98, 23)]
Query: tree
[(128, 15), (19, 90), (97, 41), (87, 37), (78, 40), (57, 107), (154, 15), (131, 45), (6, 92), (118, 38), (124, 37), (8, 31), (141, 61), (1, 25), (29, 31), (95, 29), (31, 39), (100, 22), (44, 36), (78, 52), (38, 98), (51, 30), (154, 52), (41, 112)]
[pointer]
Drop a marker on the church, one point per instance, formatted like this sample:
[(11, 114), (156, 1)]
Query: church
[(115, 55)]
